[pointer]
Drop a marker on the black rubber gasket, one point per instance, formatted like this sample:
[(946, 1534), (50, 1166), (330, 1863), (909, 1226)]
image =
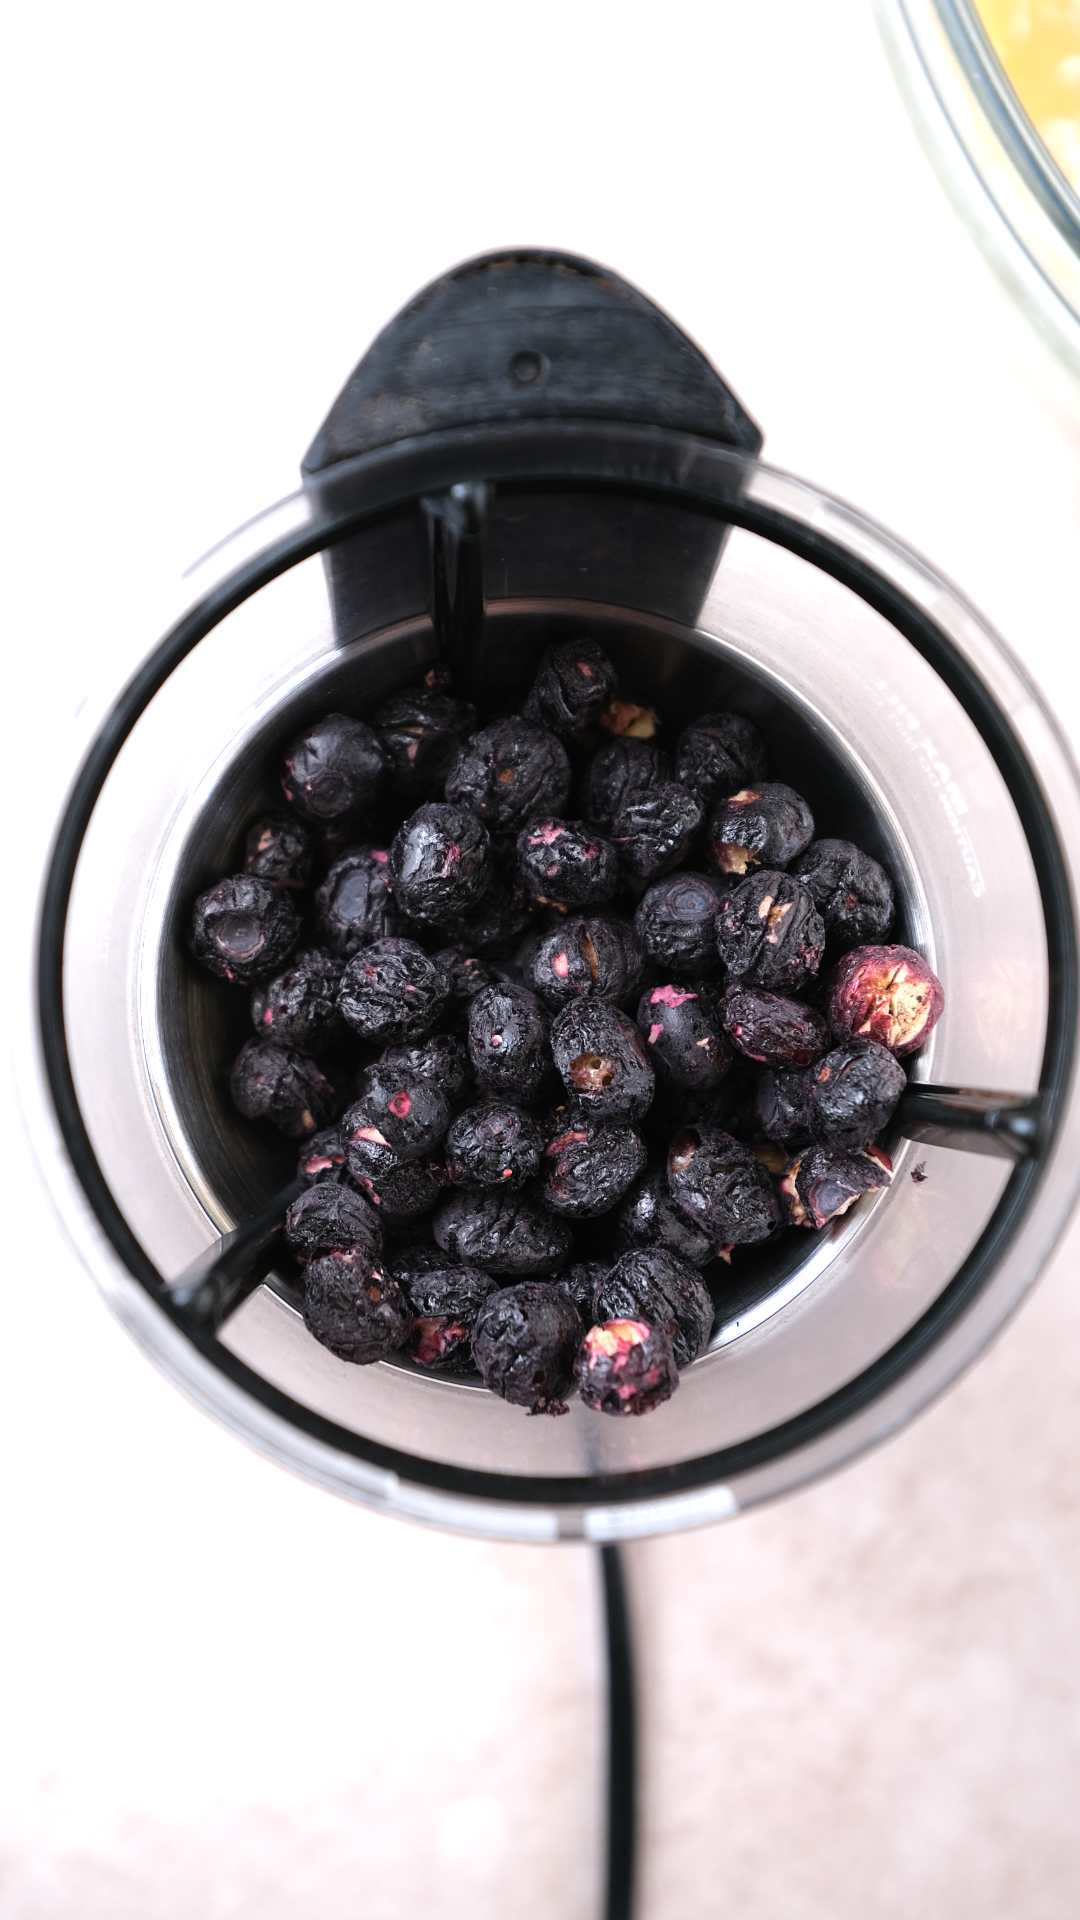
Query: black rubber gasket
[(580, 457)]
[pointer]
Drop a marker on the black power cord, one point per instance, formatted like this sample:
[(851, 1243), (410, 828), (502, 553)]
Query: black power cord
[(622, 1742)]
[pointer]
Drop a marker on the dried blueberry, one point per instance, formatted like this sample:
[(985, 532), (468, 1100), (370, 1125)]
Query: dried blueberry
[(508, 1041), (422, 733), (442, 1057), (525, 1342), (596, 957), (675, 922), (244, 929), (392, 991), (468, 974), (685, 1035), (853, 895), (334, 769), (400, 1110), (299, 1008), (589, 1165), (654, 1285), (353, 1307), (614, 772), (564, 864), (602, 1060), (626, 1367), (721, 1187), (270, 1082), (773, 1029), (493, 1145), (763, 826), (440, 864), (400, 1189), (504, 1232), (654, 828), (823, 1182), (649, 1217), (445, 1303), (322, 1159), (408, 1262), (581, 1281), (782, 1104), (496, 927), (719, 754), (509, 771), (769, 932), (280, 850), (329, 1216), (574, 682), (354, 905), (852, 1092), (887, 994)]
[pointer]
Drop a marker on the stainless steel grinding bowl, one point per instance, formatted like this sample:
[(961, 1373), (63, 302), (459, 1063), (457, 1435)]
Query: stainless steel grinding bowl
[(504, 516)]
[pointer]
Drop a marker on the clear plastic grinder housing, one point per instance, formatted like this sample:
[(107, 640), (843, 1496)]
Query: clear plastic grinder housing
[(531, 450)]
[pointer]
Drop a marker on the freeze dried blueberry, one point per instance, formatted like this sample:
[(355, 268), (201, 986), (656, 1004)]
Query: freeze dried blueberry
[(719, 754), (280, 850), (887, 994), (684, 1034), (493, 1145), (654, 1285), (468, 974), (852, 1092), (782, 1104), (270, 1082), (602, 1060), (762, 826), (401, 1111), (440, 864), (823, 1182), (588, 1167), (581, 1281), (654, 828), (508, 1041), (675, 922), (353, 1307), (322, 1159), (400, 1189), (329, 1216), (564, 864), (334, 769), (620, 767), (445, 1303), (596, 957), (299, 1008), (773, 1029), (852, 893), (422, 733), (721, 1187), (244, 929), (574, 682), (495, 928), (649, 1217), (392, 991), (525, 1342), (442, 1057), (509, 771), (354, 905), (626, 1367), (504, 1232), (769, 932), (408, 1262)]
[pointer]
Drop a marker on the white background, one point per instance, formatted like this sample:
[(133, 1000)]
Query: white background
[(221, 1692)]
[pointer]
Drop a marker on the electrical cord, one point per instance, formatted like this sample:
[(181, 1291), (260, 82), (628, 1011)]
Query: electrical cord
[(622, 1748)]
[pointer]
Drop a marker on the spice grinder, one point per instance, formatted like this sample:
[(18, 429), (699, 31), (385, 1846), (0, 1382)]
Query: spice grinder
[(532, 451)]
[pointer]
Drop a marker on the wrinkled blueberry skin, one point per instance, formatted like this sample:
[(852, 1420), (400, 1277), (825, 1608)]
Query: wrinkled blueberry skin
[(684, 1034), (329, 1216), (654, 1285), (322, 1159), (354, 905), (495, 928), (280, 850), (654, 828), (675, 923), (887, 994), (626, 1367), (392, 991), (299, 1008), (442, 1057), (782, 1104), (770, 1028), (503, 1232), (244, 929), (762, 826), (769, 932), (509, 771), (581, 1281), (468, 974), (823, 1182), (440, 864), (400, 1189), (493, 1144), (410, 1113), (409, 1263), (508, 1042), (649, 1217), (615, 771), (564, 864), (573, 685), (445, 1302), (596, 957), (588, 1167), (721, 1187), (525, 1343), (718, 754), (852, 1092), (353, 1307), (422, 733), (602, 1060), (334, 770), (270, 1082), (852, 893)]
